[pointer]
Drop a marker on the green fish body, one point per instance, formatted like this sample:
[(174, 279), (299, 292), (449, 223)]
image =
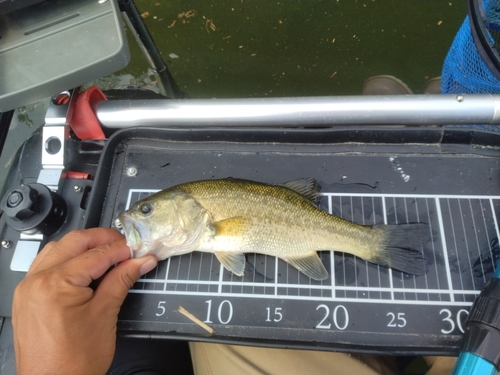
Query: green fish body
[(231, 217)]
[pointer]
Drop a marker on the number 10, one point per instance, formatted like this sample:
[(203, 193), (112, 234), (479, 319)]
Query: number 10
[(229, 314)]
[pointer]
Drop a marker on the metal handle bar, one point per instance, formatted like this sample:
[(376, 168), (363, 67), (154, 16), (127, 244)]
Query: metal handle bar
[(303, 111)]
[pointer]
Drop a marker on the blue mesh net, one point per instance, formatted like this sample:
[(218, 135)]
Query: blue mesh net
[(464, 71)]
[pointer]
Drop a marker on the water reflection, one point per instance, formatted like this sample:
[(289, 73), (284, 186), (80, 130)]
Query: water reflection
[(25, 121), (123, 81)]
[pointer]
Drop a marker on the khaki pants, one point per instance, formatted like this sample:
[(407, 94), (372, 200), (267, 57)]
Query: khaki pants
[(221, 359)]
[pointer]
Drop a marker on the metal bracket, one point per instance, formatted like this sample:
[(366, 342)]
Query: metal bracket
[(24, 255), (54, 136)]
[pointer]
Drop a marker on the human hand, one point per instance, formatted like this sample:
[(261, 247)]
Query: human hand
[(61, 325)]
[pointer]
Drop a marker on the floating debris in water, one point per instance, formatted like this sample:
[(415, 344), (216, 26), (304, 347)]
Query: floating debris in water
[(209, 25), (187, 14)]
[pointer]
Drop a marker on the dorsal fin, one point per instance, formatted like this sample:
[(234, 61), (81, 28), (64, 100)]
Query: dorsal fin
[(307, 187)]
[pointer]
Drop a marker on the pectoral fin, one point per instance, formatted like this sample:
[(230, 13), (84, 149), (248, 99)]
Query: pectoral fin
[(234, 262), (228, 237), (310, 266)]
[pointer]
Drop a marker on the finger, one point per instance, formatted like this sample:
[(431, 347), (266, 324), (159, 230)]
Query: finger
[(115, 285), (92, 264), (75, 243)]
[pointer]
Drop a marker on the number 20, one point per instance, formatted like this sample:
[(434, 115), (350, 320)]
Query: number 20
[(323, 325)]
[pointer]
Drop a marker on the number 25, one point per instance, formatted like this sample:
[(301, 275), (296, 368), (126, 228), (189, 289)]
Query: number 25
[(400, 321)]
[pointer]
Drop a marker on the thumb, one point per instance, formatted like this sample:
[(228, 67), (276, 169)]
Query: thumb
[(114, 287)]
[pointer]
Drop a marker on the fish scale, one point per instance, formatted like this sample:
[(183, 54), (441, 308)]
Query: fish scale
[(292, 217)]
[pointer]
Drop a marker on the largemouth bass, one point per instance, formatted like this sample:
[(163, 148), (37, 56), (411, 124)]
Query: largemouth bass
[(231, 217)]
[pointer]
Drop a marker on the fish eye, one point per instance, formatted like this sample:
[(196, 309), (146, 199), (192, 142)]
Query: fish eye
[(146, 208)]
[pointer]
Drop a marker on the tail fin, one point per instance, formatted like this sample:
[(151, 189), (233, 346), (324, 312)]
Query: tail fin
[(401, 247)]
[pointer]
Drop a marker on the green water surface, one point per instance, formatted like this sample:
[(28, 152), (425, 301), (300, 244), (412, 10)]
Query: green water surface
[(259, 48)]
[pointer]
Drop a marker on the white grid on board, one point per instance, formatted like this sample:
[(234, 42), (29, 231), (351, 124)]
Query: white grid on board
[(461, 256)]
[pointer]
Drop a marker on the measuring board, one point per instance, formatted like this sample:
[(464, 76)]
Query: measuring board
[(354, 284), (360, 307)]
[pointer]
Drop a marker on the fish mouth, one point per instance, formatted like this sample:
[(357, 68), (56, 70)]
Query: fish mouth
[(133, 230)]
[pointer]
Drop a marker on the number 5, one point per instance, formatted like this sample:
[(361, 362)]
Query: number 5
[(161, 307)]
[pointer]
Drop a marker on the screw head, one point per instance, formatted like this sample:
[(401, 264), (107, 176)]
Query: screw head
[(460, 98), (6, 244), (77, 189), (131, 172), (14, 199), (118, 224)]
